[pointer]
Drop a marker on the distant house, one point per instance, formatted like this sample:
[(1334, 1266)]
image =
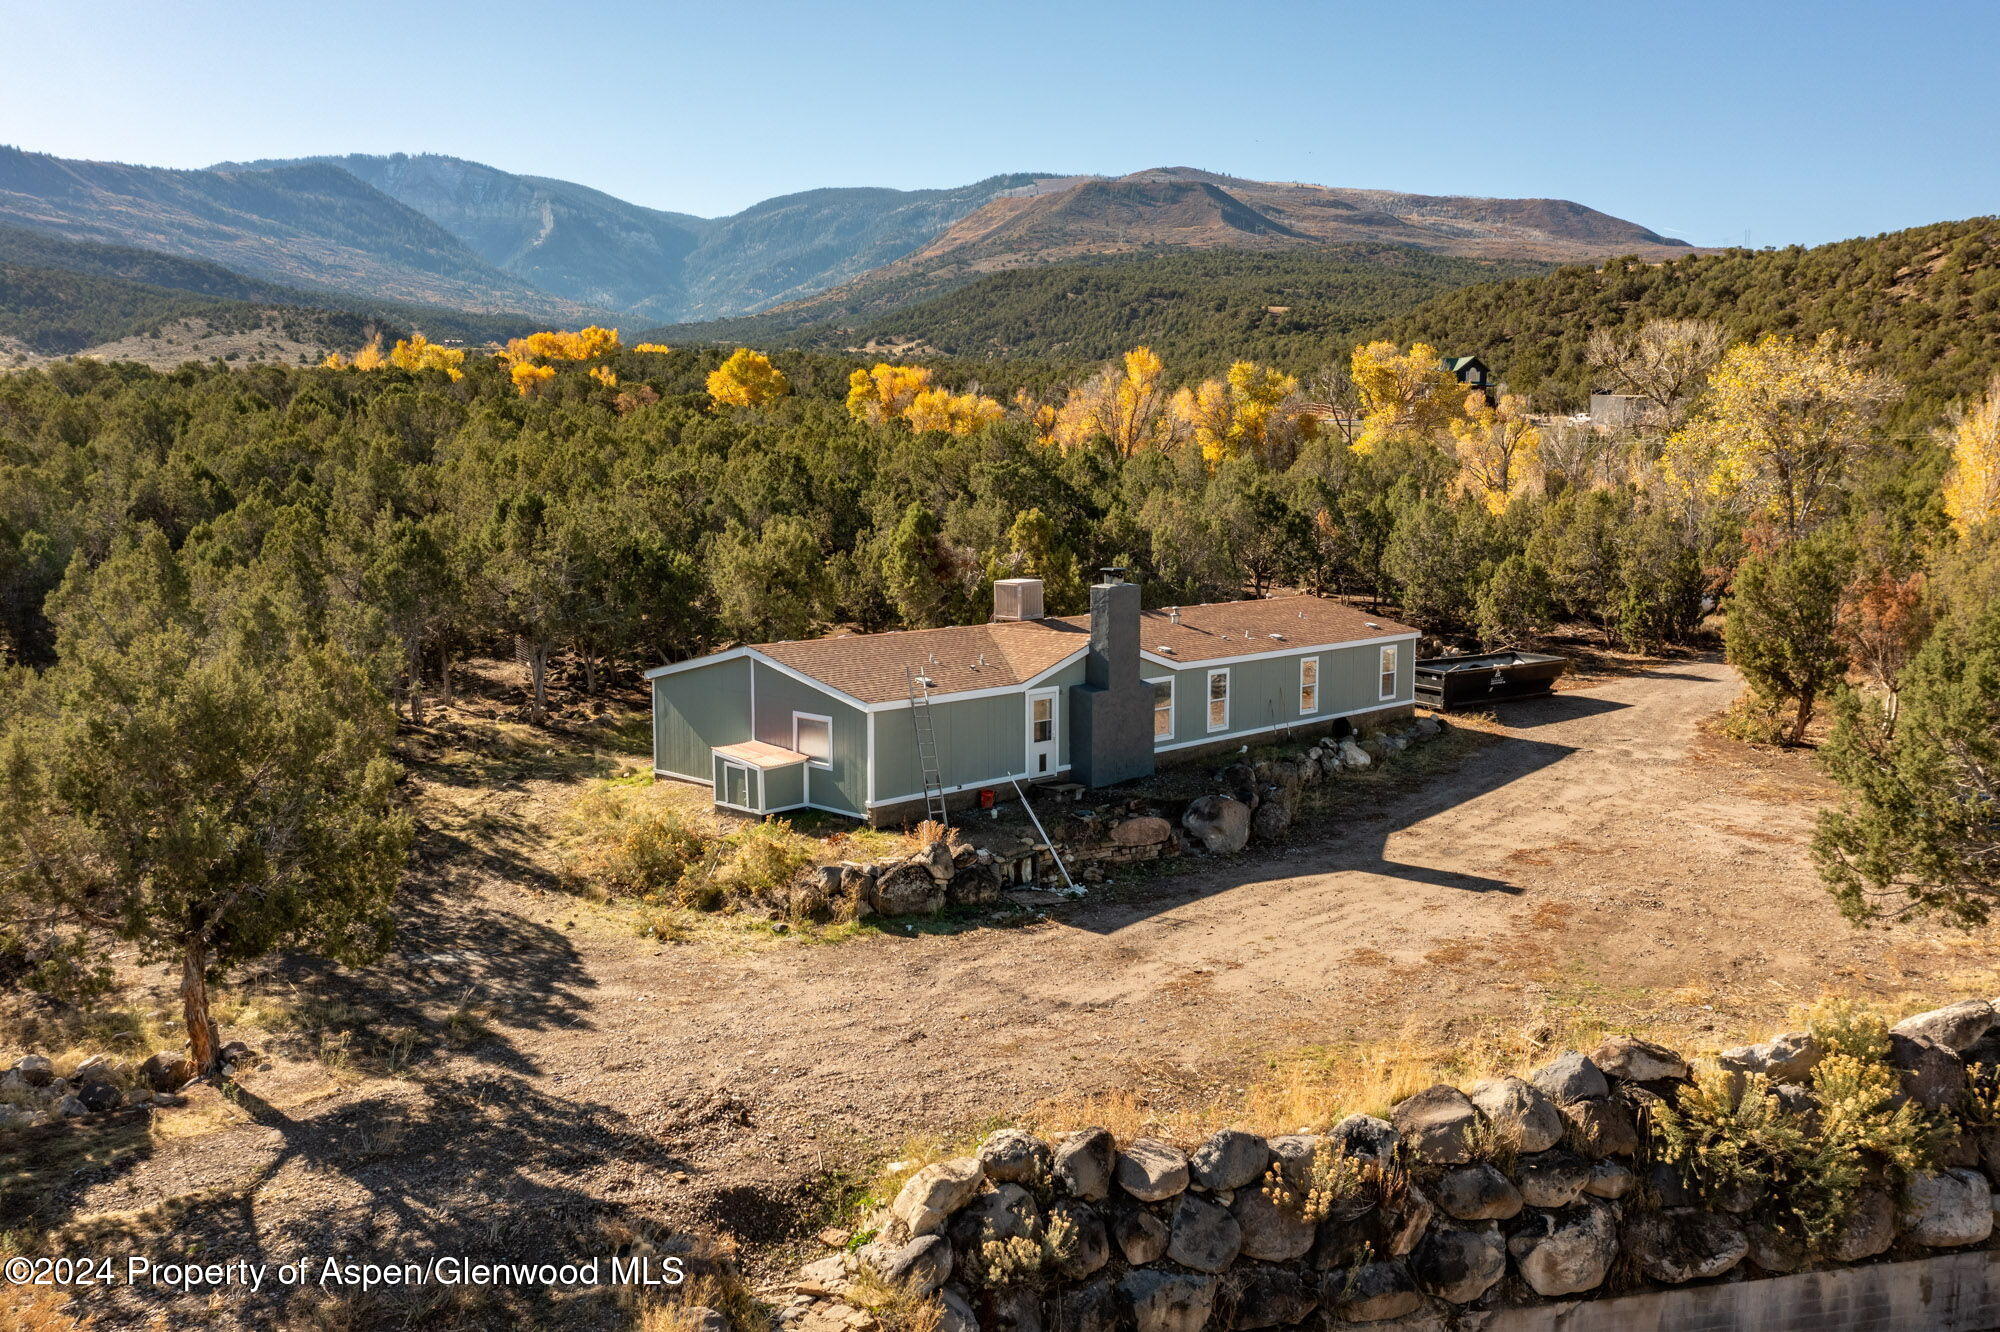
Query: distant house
[(868, 725), (1471, 372)]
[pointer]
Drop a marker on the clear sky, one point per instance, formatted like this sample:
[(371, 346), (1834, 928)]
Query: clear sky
[(1789, 122)]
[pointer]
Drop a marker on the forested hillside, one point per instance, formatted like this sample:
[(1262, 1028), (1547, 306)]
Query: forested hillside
[(1199, 309), (1927, 300)]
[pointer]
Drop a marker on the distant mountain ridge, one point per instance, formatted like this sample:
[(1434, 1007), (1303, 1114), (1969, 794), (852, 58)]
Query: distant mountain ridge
[(311, 225), (442, 231)]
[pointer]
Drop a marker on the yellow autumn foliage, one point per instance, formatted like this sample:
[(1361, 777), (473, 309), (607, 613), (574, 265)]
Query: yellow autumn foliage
[(528, 379), (586, 344), (1125, 404), (955, 413), (1498, 449), (1241, 414), (1972, 487), (746, 379), (417, 352), (1402, 393), (604, 375), (885, 392), (653, 348)]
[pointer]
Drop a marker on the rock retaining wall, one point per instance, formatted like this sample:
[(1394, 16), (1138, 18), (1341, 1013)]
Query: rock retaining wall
[(1466, 1208)]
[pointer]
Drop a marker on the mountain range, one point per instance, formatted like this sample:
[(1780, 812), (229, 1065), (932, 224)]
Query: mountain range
[(444, 232)]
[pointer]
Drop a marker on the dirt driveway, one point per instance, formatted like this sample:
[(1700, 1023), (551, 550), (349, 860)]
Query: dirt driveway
[(1604, 853)]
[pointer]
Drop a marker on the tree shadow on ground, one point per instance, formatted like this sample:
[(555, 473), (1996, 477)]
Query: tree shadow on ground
[(488, 1168)]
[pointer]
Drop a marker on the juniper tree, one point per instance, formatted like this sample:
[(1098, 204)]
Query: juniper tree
[(1780, 630), (211, 792)]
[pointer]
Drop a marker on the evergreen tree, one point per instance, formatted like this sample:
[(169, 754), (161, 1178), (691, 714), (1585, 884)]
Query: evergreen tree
[(1781, 624)]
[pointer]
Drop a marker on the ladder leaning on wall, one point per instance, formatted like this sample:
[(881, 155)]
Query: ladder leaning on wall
[(927, 754)]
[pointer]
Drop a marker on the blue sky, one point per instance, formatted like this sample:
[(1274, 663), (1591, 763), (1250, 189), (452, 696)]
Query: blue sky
[(1791, 122)]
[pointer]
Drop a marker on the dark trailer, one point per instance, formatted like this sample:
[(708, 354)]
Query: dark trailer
[(1445, 683)]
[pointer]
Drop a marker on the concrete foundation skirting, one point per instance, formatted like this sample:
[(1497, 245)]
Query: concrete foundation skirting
[(1957, 1292)]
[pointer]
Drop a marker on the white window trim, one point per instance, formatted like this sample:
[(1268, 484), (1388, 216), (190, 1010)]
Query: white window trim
[(1389, 665), (825, 764), (1055, 740), (1172, 699), (1305, 684), (1208, 700)]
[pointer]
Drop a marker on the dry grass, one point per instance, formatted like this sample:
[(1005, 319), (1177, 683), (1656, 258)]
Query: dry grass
[(896, 1306)]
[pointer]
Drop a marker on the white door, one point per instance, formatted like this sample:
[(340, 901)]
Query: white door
[(1044, 731)]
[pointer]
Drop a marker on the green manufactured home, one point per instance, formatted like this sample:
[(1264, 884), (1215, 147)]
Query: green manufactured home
[(833, 723)]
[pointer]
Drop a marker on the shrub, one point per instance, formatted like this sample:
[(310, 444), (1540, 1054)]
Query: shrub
[(631, 851)]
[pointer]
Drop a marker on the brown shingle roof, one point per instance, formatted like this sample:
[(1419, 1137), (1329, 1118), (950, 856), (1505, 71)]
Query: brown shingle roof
[(871, 667)]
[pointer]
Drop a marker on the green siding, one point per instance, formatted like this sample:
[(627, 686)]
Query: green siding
[(979, 740), (784, 788), (843, 786), (1264, 694), (694, 711)]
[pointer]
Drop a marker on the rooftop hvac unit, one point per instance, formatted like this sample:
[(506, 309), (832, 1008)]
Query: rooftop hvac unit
[(1017, 599)]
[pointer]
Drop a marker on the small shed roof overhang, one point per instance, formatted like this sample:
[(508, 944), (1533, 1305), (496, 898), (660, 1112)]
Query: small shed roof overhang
[(760, 755)]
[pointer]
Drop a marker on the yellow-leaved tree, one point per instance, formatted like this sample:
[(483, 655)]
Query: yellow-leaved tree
[(1972, 487), (1402, 393), (1498, 450), (1248, 412), (653, 348), (955, 413), (1125, 404), (1779, 423), (884, 393), (529, 379), (746, 379), (586, 344), (604, 375), (418, 352)]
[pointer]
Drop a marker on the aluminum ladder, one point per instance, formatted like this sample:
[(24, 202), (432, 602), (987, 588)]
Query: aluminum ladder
[(927, 754)]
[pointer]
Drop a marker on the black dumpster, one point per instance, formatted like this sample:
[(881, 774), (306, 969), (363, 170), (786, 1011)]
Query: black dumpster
[(1445, 683)]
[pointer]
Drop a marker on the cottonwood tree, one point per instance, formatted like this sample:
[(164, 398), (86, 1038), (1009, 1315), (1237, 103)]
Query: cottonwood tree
[(1780, 629), (1402, 393), (1972, 489), (746, 379), (1781, 421), (206, 791), (1663, 361), (1919, 832)]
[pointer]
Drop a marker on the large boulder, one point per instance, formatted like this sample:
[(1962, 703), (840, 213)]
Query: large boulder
[(1145, 830), (1352, 756), (1013, 1156), (978, 884), (1229, 1160), (1870, 1227), (1139, 1235), (1786, 1058), (1274, 813), (1476, 1193), (1957, 1027), (1774, 1250), (1438, 1124), (1946, 1209), (1608, 1179), (1519, 1117), (1077, 1237), (1932, 1075), (1273, 1297), (908, 890), (1552, 1178), (1635, 1060), (167, 1070), (1459, 1264), (1205, 1236), (1570, 1077), (1151, 1171), (1219, 823), (935, 1192), (98, 1095), (1004, 1213), (1568, 1252), (1096, 1307), (1274, 1229), (1168, 1301), (34, 1070), (1683, 1244), (1367, 1137), (1083, 1163), (924, 1263), (1293, 1154), (1372, 1292), (1601, 1127)]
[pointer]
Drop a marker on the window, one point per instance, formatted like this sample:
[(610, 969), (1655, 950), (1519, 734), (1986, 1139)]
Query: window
[(1218, 700), (812, 736), (1308, 685), (1388, 672), (1163, 709), (1044, 727)]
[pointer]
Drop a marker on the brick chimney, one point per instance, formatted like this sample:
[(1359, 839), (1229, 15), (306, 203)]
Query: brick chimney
[(1111, 712)]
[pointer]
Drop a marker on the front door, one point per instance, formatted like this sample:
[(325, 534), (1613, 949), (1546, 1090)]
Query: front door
[(1044, 731)]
